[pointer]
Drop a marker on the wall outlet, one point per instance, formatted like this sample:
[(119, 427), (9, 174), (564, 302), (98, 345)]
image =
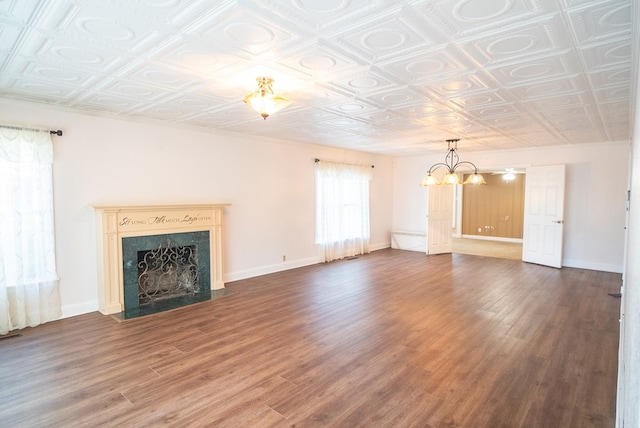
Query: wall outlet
[(284, 258)]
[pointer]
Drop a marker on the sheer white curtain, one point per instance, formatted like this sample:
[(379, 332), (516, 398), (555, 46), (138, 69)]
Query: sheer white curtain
[(28, 280), (342, 209)]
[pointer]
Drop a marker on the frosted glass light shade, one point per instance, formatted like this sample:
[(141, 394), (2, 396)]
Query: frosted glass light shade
[(451, 178), (429, 180), (475, 179), (264, 101)]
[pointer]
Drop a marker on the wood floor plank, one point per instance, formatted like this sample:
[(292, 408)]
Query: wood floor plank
[(390, 339)]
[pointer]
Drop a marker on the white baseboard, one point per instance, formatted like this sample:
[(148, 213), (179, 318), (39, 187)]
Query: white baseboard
[(264, 270), (492, 238), (279, 267), (603, 267), (79, 309)]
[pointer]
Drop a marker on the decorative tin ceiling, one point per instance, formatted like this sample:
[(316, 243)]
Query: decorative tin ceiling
[(392, 77)]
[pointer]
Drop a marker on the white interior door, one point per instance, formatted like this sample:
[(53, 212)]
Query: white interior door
[(440, 220), (543, 215)]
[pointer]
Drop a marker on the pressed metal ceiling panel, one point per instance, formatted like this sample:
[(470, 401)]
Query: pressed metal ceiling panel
[(392, 77)]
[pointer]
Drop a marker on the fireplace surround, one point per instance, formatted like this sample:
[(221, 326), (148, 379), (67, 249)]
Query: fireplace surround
[(128, 234)]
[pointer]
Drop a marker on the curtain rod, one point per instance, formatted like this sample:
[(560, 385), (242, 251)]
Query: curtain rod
[(50, 131), (318, 160)]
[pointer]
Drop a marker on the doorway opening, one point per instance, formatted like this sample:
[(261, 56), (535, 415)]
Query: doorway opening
[(489, 220)]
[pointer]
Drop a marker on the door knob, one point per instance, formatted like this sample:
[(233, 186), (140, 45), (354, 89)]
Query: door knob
[(558, 221)]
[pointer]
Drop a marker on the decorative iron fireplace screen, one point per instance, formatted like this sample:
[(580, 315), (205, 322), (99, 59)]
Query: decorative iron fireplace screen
[(166, 272)]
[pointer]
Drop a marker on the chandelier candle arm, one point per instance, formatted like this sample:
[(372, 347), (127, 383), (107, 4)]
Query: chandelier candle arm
[(451, 163)]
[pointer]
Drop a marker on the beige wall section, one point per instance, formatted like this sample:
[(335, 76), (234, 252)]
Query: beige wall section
[(494, 210)]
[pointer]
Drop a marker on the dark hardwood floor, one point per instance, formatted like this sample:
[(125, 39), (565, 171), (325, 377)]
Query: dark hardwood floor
[(391, 339)]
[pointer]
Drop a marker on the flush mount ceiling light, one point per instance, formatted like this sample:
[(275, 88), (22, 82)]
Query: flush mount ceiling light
[(451, 163), (509, 175), (264, 101)]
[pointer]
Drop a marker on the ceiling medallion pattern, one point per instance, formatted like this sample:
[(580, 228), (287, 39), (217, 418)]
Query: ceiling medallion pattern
[(372, 75)]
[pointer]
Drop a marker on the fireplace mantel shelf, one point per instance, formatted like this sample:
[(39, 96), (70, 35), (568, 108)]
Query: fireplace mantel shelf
[(117, 222)]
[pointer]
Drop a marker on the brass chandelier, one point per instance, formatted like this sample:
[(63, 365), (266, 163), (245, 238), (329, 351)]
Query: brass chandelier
[(264, 100), (451, 163)]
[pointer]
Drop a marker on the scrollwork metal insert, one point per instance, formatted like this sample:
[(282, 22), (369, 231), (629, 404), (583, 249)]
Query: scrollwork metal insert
[(166, 272)]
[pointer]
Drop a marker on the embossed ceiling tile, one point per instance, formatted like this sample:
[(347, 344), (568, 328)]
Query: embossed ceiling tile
[(567, 113), (613, 94), (373, 133), (242, 30), (422, 109), (461, 85), (134, 90), (192, 102), (37, 91), (539, 37), (503, 69), (469, 128), (562, 101), (207, 120), (548, 88), (16, 13), (108, 103), (542, 138), (396, 97), (421, 67), (582, 136), (164, 78), (83, 56), (576, 122), (54, 75), (319, 60), (412, 127), (380, 117), (607, 55), (319, 95), (323, 15), (35, 77), (4, 64), (464, 17), (498, 143), (160, 112), (614, 109), (393, 33), (618, 133), (611, 77), (306, 115), (560, 64), (181, 13), (443, 118), (363, 83), (197, 56), (479, 100), (516, 122), (348, 123), (492, 111), (593, 22), (352, 107), (125, 27), (9, 35)]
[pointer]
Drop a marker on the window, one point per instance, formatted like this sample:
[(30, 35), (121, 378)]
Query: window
[(342, 209), (28, 280)]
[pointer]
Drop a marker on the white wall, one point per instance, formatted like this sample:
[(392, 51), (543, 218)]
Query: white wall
[(628, 404), (596, 185), (629, 366), (270, 186)]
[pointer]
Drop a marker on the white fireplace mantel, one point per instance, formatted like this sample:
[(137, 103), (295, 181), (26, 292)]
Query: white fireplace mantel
[(117, 222)]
